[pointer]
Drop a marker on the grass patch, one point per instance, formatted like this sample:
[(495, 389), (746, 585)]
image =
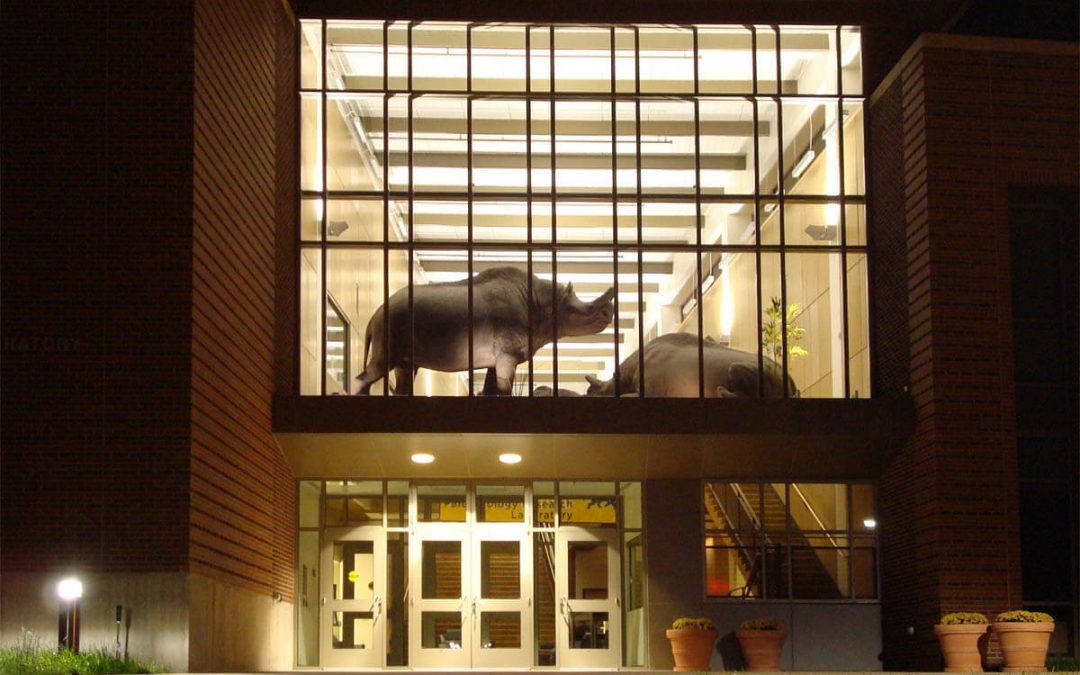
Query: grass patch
[(29, 657)]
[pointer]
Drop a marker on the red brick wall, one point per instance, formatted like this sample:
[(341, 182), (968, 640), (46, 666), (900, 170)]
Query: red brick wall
[(976, 116), (96, 246), (242, 493)]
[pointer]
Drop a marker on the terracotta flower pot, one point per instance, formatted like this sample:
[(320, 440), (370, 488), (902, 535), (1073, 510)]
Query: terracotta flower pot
[(691, 648), (761, 648), (1024, 644), (960, 646)]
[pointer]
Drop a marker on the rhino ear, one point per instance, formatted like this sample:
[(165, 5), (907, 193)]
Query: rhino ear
[(593, 380)]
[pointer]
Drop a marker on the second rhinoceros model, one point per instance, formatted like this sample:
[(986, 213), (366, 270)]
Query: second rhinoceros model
[(671, 370), (501, 313)]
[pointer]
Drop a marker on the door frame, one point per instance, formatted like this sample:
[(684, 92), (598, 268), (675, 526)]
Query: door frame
[(568, 656), (375, 657)]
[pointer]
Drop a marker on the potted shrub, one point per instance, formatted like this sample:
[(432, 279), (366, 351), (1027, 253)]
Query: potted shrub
[(1024, 638), (960, 635), (691, 643), (761, 641)]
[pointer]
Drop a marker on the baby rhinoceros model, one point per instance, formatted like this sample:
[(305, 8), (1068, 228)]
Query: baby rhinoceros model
[(502, 309), (671, 370)]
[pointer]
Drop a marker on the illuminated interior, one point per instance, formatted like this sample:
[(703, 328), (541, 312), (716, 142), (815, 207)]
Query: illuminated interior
[(713, 200)]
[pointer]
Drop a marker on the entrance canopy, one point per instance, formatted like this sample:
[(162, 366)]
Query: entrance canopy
[(629, 439)]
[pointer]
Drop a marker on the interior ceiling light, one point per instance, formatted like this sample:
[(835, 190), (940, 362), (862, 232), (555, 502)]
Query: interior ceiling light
[(423, 458), (509, 458), (821, 232), (869, 523), (803, 163)]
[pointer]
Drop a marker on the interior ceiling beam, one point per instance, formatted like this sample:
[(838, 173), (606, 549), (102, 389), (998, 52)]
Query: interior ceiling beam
[(455, 160), (540, 267), (563, 127), (342, 36), (542, 85), (599, 222)]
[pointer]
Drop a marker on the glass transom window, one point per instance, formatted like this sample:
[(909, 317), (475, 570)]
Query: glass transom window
[(566, 210)]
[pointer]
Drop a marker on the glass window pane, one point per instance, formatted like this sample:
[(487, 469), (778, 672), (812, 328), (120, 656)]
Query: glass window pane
[(307, 606), (311, 161), (726, 146), (725, 63), (808, 59), (441, 569), (353, 570), (439, 60), (587, 511), (500, 504), (582, 59), (354, 54), (440, 630), (631, 503), (335, 511), (863, 518), (732, 572), (667, 159), (865, 583), (395, 602), (588, 630), (854, 149), (311, 54), (352, 630), (440, 503), (851, 61), (817, 507), (498, 57), (500, 630), (814, 324), (397, 503), (666, 59), (500, 569), (544, 594), (587, 570), (858, 312), (354, 147), (634, 607), (766, 59), (819, 573)]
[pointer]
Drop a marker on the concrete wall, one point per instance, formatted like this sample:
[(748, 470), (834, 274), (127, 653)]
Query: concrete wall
[(233, 629), (821, 636)]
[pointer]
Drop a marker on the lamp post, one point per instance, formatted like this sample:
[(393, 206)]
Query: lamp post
[(70, 591)]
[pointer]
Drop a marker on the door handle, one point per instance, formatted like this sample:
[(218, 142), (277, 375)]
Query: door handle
[(322, 600), (376, 609)]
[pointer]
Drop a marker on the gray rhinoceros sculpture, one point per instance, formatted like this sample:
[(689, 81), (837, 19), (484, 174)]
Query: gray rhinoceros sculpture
[(500, 324), (671, 370)]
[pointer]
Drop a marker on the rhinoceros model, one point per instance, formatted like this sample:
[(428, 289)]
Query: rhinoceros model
[(500, 325), (671, 370)]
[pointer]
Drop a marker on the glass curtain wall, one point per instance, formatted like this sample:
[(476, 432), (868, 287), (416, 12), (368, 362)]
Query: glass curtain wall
[(580, 191)]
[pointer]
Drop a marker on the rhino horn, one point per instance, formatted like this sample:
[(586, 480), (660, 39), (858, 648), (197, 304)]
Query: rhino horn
[(605, 298)]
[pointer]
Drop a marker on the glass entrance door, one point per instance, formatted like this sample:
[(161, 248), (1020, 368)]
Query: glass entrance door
[(440, 634), (353, 587), (501, 596), (589, 630)]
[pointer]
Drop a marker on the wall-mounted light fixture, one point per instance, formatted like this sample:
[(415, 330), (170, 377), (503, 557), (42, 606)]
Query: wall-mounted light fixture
[(869, 523), (803, 164)]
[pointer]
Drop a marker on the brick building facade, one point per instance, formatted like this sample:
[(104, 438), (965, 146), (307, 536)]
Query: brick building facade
[(149, 203)]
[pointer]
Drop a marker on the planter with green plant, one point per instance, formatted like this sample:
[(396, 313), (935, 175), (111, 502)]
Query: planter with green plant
[(773, 331), (1024, 638), (962, 636), (761, 641), (691, 643)]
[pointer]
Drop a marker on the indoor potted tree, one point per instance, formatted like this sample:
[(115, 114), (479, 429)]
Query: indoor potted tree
[(960, 635), (1024, 638), (761, 641), (691, 643)]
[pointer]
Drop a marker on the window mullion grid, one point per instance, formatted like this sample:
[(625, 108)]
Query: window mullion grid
[(614, 206), (409, 249), (698, 295), (780, 190), (529, 205), (757, 207), (386, 205), (554, 240), (843, 214), (788, 521), (849, 491), (469, 204), (325, 114), (640, 251), (297, 216)]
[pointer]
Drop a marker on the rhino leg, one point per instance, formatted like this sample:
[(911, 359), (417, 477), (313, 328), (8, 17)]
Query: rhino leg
[(491, 384), (505, 365), (403, 380)]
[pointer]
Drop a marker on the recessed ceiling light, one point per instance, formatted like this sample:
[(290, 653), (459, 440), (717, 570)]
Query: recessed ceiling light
[(423, 458), (869, 523), (509, 458)]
